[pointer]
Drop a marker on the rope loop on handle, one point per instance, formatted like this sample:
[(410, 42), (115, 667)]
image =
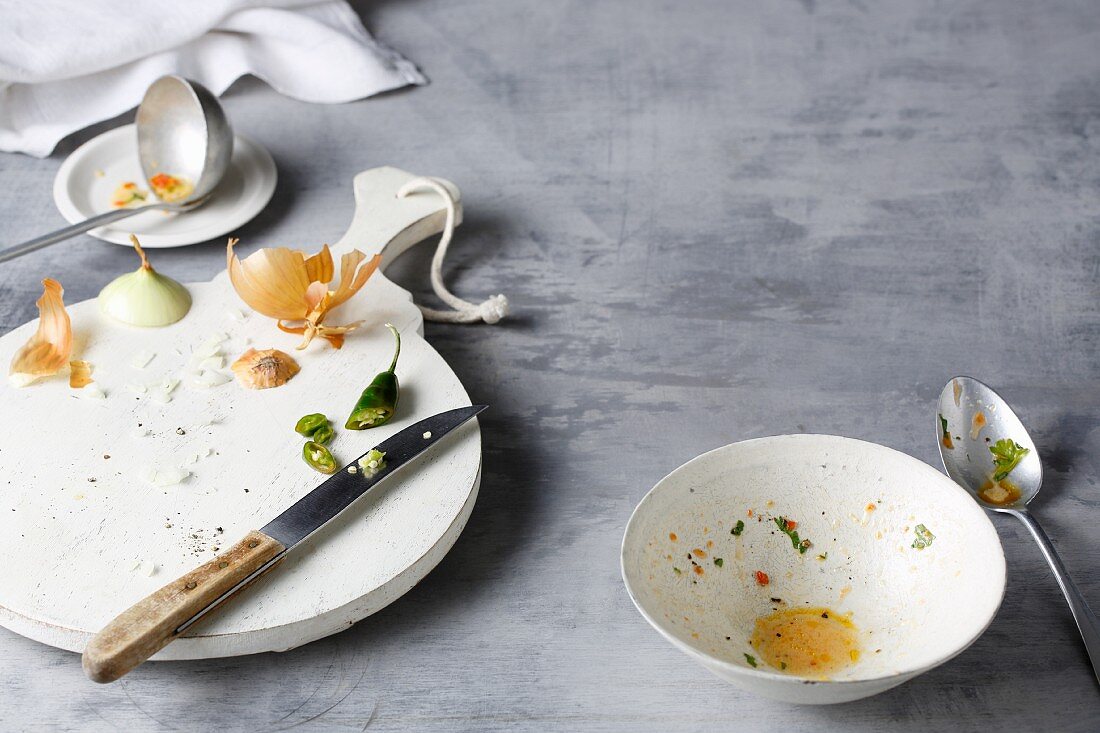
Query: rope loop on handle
[(493, 309)]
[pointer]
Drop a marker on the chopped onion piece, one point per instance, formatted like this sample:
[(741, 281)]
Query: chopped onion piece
[(208, 379), (141, 359), (211, 346), (216, 379), (164, 476), (161, 397), (169, 385), (196, 457), (148, 568), (135, 388), (171, 477), (90, 392), (212, 362)]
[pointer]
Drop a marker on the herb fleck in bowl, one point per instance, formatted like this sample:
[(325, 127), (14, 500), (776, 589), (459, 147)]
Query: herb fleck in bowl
[(916, 599)]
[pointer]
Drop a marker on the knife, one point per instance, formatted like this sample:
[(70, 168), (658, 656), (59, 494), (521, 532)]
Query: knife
[(148, 626)]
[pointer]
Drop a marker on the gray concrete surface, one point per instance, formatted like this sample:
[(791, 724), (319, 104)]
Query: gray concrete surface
[(716, 220)]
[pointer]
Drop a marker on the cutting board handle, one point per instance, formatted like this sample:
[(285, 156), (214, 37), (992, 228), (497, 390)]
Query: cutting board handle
[(143, 629)]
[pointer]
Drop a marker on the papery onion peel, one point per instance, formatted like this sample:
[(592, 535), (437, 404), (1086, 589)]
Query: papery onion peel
[(47, 351), (291, 287)]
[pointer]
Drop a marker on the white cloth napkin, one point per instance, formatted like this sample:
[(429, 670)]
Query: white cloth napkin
[(65, 65)]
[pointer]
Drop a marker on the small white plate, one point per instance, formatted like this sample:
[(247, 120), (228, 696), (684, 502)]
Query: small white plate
[(88, 178)]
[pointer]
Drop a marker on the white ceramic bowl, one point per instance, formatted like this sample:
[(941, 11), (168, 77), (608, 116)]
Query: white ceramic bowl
[(912, 609)]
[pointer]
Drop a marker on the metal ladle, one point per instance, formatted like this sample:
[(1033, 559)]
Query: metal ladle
[(976, 418), (182, 131)]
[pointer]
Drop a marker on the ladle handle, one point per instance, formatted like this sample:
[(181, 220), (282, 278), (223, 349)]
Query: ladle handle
[(1086, 620), (70, 231)]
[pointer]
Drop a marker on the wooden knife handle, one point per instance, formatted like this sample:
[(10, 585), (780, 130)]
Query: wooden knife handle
[(146, 627)]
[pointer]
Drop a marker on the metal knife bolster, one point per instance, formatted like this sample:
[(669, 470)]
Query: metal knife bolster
[(313, 510)]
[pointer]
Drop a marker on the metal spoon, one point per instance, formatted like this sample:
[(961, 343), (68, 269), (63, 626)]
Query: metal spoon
[(964, 404), (181, 131)]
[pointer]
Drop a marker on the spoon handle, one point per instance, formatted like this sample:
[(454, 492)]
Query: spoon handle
[(70, 231), (1082, 614)]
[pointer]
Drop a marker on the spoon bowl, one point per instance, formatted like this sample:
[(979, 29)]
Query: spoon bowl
[(971, 419), (182, 130), (976, 418)]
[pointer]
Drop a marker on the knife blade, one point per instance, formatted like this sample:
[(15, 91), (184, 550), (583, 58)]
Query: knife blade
[(152, 623), (316, 508)]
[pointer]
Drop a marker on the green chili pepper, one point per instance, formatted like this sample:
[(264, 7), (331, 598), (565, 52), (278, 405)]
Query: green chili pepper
[(308, 425), (379, 400), (318, 457), (323, 434)]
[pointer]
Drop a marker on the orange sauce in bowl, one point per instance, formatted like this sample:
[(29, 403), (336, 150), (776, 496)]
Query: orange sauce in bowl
[(806, 642)]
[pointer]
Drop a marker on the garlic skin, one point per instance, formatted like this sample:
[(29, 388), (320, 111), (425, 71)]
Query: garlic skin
[(145, 297)]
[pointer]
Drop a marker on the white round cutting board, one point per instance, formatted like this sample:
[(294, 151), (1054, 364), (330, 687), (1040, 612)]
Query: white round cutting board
[(75, 522)]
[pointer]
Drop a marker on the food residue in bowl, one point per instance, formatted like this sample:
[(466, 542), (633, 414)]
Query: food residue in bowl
[(998, 490), (945, 437), (976, 424), (924, 537), (128, 195), (1007, 454), (1001, 492), (788, 527), (171, 188), (806, 642)]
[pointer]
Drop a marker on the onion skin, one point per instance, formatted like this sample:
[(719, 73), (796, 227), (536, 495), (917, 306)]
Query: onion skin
[(293, 288), (48, 349)]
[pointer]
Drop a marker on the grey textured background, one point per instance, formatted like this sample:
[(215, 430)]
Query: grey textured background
[(716, 220)]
